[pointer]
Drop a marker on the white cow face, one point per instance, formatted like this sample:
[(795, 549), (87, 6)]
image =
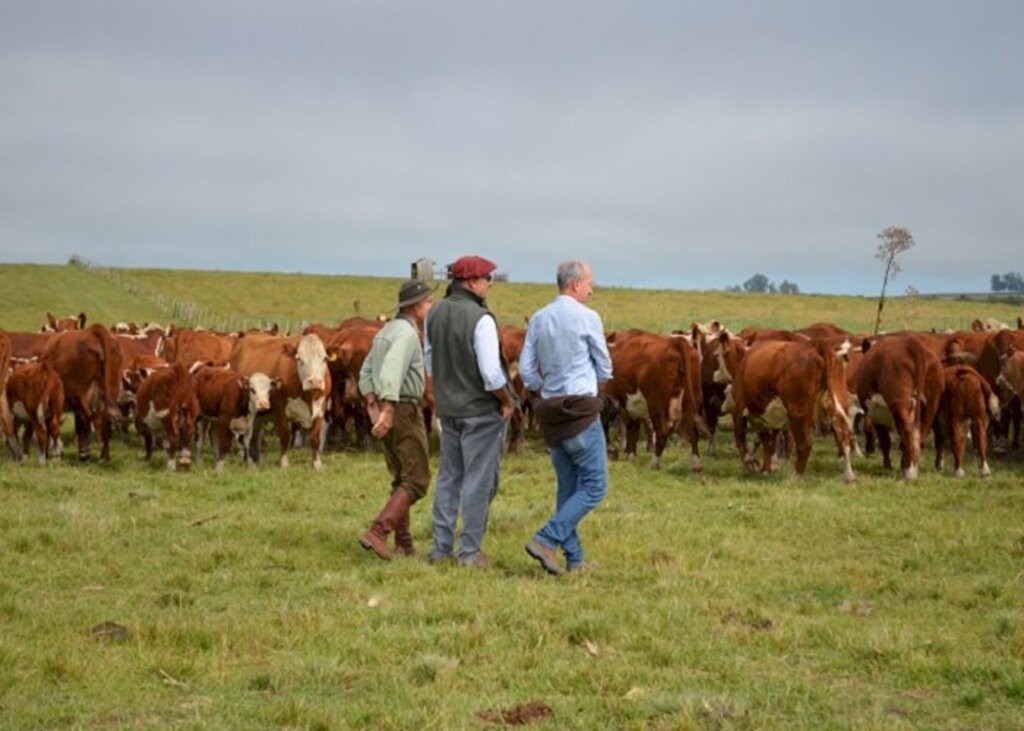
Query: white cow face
[(311, 359), (260, 387)]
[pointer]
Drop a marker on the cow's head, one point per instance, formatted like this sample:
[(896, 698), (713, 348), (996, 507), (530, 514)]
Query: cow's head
[(311, 361), (259, 386), (730, 353)]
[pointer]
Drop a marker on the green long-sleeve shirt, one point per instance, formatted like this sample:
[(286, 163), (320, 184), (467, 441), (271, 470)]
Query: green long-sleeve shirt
[(393, 369)]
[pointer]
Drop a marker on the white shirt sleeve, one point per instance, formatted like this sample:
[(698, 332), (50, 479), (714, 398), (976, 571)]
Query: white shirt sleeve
[(488, 358), (427, 352)]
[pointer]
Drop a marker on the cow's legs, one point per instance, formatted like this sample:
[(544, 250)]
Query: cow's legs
[(632, 436), (105, 430), (939, 433), (315, 432), (696, 464), (42, 439), (172, 436), (659, 433), (980, 435), (82, 434), (904, 416), (739, 430), (800, 432), (958, 440), (284, 435), (769, 443), (186, 441), (222, 447), (147, 438)]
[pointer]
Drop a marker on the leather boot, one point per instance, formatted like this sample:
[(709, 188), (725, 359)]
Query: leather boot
[(376, 538), (403, 538)]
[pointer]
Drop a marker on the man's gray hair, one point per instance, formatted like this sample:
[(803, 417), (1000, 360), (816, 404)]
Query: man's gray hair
[(570, 271)]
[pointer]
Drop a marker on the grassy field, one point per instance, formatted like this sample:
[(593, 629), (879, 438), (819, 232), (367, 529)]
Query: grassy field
[(28, 291), (721, 600)]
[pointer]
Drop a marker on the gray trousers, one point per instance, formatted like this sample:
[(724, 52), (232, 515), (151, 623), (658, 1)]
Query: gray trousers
[(467, 481)]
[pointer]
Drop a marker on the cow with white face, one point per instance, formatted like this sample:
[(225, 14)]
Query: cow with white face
[(231, 403), (299, 365)]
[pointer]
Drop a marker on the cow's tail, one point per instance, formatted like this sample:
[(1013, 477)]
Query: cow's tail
[(834, 383), (110, 355), (992, 405)]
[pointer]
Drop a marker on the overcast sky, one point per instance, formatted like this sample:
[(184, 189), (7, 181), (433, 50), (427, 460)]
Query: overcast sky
[(672, 144)]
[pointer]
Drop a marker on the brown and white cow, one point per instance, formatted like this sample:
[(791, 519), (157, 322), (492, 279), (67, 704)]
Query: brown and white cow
[(300, 364), (779, 386), (89, 364), (899, 386), (351, 341), (166, 404), (35, 394), (512, 341), (654, 379), (64, 324), (967, 401), (230, 402)]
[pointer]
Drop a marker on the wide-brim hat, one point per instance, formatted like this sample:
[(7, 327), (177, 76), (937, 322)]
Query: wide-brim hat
[(413, 291)]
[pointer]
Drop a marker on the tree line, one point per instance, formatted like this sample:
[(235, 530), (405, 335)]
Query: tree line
[(1009, 282), (761, 283)]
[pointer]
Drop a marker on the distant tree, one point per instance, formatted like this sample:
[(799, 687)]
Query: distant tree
[(998, 285), (788, 287), (734, 288), (1013, 282), (894, 241), (757, 283)]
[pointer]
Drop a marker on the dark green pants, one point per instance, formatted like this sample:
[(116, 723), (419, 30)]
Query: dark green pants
[(406, 451)]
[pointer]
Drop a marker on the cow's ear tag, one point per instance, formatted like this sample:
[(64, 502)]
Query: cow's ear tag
[(332, 357)]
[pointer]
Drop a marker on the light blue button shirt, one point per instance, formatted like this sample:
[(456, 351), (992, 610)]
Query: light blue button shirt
[(565, 352)]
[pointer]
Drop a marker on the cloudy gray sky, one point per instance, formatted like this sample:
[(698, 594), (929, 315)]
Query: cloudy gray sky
[(671, 143)]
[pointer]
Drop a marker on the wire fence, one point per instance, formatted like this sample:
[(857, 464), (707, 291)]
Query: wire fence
[(184, 313)]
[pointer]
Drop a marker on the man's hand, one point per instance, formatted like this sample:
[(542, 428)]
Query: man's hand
[(507, 410), (384, 421), (372, 408)]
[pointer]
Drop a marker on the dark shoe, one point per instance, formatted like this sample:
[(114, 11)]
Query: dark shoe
[(439, 558), (376, 538), (546, 556), (403, 537), (480, 561)]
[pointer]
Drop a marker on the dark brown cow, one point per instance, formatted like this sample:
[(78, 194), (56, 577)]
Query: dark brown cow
[(232, 402), (966, 401), (512, 341), (36, 397), (899, 386), (990, 364), (779, 385), (1011, 370), (654, 379), (167, 404), (89, 364), (64, 324), (300, 364)]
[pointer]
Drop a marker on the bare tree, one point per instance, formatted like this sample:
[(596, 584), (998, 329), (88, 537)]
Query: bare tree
[(894, 241)]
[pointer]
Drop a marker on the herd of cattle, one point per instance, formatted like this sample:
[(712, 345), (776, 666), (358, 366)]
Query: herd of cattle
[(179, 385)]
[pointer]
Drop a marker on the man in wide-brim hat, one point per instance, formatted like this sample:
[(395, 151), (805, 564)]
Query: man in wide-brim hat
[(392, 380)]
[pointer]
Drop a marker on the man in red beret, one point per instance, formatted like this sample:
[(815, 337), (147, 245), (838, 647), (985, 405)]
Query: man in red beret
[(474, 402)]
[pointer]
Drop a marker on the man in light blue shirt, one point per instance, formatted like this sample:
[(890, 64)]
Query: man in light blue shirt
[(566, 358)]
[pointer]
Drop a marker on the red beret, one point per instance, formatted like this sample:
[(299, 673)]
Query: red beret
[(469, 267)]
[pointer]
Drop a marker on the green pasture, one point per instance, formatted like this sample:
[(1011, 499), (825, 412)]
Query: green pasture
[(722, 600), (27, 292)]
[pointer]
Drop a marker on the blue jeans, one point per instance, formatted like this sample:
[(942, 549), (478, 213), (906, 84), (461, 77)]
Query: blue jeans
[(581, 465)]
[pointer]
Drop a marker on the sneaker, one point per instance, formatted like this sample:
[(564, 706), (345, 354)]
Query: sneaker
[(546, 556)]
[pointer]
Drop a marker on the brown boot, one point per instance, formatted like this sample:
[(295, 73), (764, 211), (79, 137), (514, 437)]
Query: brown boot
[(403, 538), (376, 538)]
